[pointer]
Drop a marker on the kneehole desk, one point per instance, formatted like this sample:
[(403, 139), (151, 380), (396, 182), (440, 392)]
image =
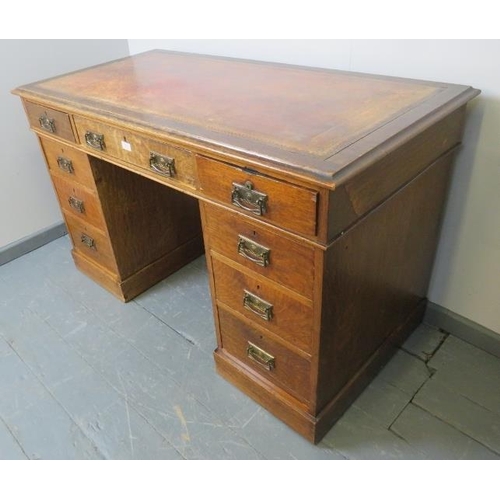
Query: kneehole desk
[(316, 195)]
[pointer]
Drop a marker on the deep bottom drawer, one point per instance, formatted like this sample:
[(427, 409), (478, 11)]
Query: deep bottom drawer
[(286, 369)]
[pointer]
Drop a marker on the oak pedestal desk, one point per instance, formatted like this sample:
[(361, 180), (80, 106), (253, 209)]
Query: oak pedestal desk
[(316, 195)]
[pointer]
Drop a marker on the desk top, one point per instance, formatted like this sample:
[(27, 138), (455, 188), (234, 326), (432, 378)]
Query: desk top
[(314, 122)]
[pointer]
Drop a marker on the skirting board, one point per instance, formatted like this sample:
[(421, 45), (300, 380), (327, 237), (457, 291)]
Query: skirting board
[(463, 328), (32, 242)]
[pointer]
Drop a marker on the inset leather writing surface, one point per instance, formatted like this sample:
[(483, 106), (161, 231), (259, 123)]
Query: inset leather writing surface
[(296, 115), (309, 111)]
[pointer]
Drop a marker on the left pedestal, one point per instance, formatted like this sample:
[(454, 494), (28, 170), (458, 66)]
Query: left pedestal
[(128, 232)]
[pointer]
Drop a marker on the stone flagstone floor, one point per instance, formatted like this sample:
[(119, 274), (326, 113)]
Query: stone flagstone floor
[(83, 376)]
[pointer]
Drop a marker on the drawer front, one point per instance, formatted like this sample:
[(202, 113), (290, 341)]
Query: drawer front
[(271, 360), (285, 205), (79, 202), (274, 256), (49, 121), (66, 162), (166, 163), (264, 304), (90, 242)]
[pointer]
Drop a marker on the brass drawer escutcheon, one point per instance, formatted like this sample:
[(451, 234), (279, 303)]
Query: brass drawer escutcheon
[(88, 241), (161, 164), (258, 306), (47, 124), (245, 197), (260, 356), (65, 164), (253, 251), (95, 141), (76, 204)]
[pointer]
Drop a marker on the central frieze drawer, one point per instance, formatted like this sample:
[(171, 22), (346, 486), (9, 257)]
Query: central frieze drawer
[(280, 203), (163, 161)]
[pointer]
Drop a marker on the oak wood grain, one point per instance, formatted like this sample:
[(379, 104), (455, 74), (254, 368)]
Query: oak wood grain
[(291, 262), (376, 274), (79, 201), (156, 271), (288, 206), (355, 196), (291, 319), (279, 402), (134, 148), (145, 220), (90, 241), (80, 170), (60, 120), (291, 371)]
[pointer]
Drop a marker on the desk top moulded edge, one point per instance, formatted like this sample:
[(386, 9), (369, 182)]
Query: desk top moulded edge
[(124, 93)]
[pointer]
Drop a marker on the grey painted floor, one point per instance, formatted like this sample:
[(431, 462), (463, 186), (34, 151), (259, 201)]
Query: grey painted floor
[(84, 376)]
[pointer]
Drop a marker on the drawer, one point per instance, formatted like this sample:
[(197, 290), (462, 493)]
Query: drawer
[(67, 162), (265, 304), (282, 259), (79, 202), (90, 242), (49, 120), (165, 162), (271, 360), (285, 205)]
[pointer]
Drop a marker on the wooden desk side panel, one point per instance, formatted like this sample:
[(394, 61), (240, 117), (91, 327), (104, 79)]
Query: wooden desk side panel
[(376, 275), (356, 196)]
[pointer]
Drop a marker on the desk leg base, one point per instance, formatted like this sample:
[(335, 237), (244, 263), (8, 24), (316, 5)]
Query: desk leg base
[(294, 413)]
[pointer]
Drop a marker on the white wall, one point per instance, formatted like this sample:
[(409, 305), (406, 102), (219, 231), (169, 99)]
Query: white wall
[(466, 277), (27, 200)]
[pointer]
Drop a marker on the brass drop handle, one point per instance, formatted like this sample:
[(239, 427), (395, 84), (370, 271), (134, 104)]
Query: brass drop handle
[(65, 164), (260, 356), (95, 140), (76, 204), (88, 241), (244, 196), (253, 251), (161, 164), (47, 124), (258, 306)]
